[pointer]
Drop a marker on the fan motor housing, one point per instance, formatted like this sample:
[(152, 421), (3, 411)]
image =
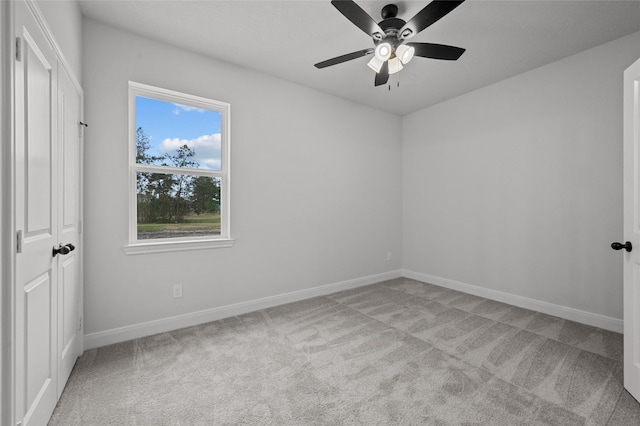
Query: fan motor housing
[(389, 11), (390, 24)]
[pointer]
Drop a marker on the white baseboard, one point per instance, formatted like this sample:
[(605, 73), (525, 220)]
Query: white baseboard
[(121, 334), (584, 317)]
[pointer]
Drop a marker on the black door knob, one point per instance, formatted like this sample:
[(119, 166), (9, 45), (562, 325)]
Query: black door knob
[(60, 250), (66, 249), (619, 246)]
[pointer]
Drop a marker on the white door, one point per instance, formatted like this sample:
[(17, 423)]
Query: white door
[(69, 271), (36, 218), (632, 229)]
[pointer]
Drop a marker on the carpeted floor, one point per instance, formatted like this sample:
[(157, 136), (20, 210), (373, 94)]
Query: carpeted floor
[(400, 352)]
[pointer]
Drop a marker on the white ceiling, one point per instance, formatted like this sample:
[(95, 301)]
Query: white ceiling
[(285, 38)]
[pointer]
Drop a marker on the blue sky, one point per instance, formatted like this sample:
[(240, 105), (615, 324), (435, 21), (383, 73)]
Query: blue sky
[(170, 126)]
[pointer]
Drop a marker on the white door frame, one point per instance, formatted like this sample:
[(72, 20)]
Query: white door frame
[(7, 254)]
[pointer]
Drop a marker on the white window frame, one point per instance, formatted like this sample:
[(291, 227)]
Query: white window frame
[(135, 246)]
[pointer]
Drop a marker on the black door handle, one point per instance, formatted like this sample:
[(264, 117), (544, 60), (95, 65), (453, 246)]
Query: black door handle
[(619, 246), (63, 249)]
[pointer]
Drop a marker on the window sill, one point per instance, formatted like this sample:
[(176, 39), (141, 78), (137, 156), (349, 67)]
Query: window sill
[(173, 246)]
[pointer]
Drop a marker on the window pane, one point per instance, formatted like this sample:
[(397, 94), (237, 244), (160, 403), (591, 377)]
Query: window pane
[(177, 205), (177, 135)]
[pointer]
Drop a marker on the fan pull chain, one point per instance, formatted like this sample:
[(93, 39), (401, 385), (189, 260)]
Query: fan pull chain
[(397, 84)]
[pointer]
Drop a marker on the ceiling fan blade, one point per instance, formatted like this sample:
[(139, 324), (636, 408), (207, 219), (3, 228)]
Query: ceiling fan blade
[(428, 16), (357, 16), (437, 51), (383, 76), (344, 58)]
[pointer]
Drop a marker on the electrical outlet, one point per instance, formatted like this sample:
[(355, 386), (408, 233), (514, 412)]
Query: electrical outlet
[(177, 291), (388, 255)]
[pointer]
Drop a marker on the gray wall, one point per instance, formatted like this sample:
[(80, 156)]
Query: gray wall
[(65, 21), (517, 187), (315, 187)]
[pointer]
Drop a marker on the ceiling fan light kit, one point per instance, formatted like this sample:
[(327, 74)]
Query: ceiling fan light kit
[(375, 64), (390, 37), (383, 51), (395, 65), (405, 53)]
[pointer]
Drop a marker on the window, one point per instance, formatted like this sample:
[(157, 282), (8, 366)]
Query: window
[(179, 168)]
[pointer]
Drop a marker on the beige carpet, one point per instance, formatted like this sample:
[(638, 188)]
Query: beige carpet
[(399, 352)]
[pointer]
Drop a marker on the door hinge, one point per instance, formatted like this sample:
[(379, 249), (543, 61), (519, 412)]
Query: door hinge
[(80, 227), (18, 49), (19, 241), (80, 324)]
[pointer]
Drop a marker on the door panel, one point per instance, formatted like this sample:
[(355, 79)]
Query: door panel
[(70, 138), (68, 296), (631, 269), (38, 336), (38, 146), (36, 216)]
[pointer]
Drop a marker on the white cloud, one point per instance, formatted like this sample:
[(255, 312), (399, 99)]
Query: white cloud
[(206, 147), (186, 108)]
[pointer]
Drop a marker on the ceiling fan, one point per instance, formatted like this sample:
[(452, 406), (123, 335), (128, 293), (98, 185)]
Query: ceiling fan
[(389, 36)]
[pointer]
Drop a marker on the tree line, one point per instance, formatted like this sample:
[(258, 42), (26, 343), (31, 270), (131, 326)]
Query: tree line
[(166, 197)]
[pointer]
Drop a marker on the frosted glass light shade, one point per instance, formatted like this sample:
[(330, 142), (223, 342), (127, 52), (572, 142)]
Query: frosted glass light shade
[(383, 51), (405, 53), (394, 65), (375, 64)]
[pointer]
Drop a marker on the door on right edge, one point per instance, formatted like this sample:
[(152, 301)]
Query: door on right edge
[(631, 269)]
